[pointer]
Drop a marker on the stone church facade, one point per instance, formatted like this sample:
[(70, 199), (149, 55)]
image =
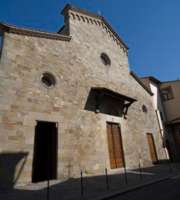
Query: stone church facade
[(75, 85)]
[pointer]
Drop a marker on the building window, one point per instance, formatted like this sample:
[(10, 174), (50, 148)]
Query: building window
[(167, 93), (144, 109), (48, 79), (105, 59), (161, 115)]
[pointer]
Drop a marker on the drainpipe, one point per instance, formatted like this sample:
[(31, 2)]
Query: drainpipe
[(161, 134), (160, 130)]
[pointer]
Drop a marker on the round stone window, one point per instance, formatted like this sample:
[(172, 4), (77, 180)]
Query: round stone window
[(48, 79), (105, 59)]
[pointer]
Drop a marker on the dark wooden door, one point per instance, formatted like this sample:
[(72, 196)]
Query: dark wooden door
[(115, 146), (176, 137), (152, 148)]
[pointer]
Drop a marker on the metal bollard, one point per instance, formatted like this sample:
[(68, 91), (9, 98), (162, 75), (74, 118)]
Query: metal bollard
[(140, 171), (125, 175), (48, 189), (170, 167), (82, 186), (107, 179)]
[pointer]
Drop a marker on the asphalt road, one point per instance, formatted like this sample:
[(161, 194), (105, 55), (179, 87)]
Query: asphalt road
[(166, 190)]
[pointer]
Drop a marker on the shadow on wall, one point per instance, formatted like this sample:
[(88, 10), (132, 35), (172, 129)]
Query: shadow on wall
[(104, 104), (11, 166)]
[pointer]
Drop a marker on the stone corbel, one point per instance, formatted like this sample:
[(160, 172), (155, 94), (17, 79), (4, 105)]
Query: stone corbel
[(125, 109)]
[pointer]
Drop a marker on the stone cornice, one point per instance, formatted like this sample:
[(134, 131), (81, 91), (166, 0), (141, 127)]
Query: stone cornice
[(91, 18), (33, 33), (82, 11)]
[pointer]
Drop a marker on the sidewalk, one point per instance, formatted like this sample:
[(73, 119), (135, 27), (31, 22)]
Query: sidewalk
[(95, 188)]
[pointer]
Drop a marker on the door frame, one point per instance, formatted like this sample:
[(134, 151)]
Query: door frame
[(121, 145), (55, 167), (153, 147)]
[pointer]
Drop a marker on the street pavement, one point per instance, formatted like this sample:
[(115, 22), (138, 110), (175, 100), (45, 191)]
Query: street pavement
[(97, 187), (166, 190)]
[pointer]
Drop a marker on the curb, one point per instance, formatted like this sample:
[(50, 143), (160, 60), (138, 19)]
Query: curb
[(112, 195)]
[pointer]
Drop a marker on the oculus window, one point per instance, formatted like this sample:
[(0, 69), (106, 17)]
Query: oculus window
[(48, 80)]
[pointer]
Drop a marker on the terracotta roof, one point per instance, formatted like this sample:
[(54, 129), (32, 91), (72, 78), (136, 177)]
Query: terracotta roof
[(141, 83), (171, 81), (152, 78), (30, 32), (85, 12), (155, 80)]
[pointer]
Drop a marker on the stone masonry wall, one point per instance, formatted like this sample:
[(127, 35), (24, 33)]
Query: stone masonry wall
[(82, 135)]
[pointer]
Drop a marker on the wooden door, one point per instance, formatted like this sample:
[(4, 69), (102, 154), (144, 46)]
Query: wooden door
[(152, 148), (115, 146), (176, 137)]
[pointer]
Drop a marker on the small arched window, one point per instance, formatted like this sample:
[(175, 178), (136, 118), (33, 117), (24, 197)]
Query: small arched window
[(105, 59), (144, 109)]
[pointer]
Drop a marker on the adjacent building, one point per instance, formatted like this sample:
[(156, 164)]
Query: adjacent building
[(167, 106)]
